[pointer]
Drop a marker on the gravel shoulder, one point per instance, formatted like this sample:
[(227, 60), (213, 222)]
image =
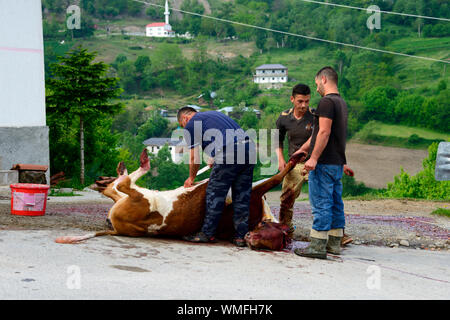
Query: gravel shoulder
[(392, 223)]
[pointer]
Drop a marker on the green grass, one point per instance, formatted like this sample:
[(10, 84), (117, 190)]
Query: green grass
[(63, 194), (442, 212), (413, 72), (405, 131), (391, 135)]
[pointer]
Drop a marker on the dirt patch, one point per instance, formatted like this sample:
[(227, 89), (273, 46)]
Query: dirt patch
[(376, 166), (384, 222), (85, 216)]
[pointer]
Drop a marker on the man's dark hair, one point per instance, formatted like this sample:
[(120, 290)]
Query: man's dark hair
[(329, 73), (302, 89), (185, 110)]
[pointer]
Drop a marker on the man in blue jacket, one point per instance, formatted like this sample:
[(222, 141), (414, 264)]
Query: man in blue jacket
[(234, 156)]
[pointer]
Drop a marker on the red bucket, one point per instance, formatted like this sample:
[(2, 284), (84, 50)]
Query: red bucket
[(28, 199)]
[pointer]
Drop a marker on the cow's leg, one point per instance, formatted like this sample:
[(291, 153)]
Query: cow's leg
[(292, 186), (143, 169), (271, 183), (131, 216)]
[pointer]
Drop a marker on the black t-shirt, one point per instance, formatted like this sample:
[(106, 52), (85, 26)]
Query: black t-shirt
[(298, 130), (332, 106)]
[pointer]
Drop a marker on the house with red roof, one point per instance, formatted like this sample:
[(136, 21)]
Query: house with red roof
[(161, 29)]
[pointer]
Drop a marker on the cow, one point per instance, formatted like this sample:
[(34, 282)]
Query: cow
[(139, 212)]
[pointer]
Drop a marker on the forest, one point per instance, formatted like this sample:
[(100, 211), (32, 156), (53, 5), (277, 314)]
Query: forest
[(377, 86)]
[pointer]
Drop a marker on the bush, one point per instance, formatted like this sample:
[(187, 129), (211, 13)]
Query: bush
[(422, 185), (353, 188)]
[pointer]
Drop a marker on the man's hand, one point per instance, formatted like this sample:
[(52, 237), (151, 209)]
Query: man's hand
[(310, 164), (210, 162), (189, 182), (348, 171), (281, 165)]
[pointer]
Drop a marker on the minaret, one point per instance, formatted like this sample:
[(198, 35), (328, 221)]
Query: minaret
[(166, 12)]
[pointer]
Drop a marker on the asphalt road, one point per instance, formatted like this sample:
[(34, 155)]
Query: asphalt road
[(33, 266)]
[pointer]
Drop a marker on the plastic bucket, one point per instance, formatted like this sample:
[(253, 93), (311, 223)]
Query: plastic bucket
[(28, 199)]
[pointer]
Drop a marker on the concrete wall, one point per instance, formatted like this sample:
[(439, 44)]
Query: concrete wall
[(24, 145), (23, 131)]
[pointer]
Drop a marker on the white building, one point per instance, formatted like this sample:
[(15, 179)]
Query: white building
[(271, 74), (228, 110), (23, 128), (154, 145), (161, 29)]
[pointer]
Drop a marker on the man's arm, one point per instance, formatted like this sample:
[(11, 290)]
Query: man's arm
[(321, 142), (281, 160), (194, 165), (279, 150)]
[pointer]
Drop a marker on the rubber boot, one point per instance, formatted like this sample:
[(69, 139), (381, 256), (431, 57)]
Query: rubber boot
[(317, 247), (334, 241)]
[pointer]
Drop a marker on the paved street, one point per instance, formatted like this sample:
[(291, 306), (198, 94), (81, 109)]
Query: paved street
[(33, 266)]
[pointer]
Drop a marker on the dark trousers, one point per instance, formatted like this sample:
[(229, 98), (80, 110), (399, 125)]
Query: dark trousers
[(239, 178)]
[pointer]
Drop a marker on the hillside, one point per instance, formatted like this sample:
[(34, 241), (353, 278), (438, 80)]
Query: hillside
[(157, 74)]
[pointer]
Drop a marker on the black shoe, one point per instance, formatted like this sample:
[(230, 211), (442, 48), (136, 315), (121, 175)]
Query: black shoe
[(200, 237), (239, 242)]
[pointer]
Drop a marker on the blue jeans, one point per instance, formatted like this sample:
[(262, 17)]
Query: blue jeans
[(325, 196)]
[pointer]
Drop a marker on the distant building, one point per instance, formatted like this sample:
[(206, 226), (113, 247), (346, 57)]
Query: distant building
[(161, 29), (271, 75), (230, 110), (175, 147), (194, 106)]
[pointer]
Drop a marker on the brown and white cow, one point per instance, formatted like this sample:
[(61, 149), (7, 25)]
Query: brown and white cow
[(140, 212)]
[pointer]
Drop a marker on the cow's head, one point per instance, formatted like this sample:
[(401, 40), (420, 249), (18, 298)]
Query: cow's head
[(268, 235)]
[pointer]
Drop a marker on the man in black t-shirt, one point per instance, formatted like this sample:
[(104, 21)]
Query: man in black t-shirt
[(326, 165), (296, 123)]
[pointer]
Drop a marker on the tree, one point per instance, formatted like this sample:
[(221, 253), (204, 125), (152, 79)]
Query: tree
[(80, 89)]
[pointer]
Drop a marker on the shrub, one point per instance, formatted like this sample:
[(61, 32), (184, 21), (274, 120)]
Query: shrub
[(422, 185), (353, 188)]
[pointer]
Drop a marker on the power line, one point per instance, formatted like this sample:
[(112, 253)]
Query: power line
[(382, 11), (299, 35)]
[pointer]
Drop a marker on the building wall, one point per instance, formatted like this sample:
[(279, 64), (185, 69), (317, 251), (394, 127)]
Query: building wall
[(23, 130), (270, 76), (158, 32), (271, 72), (174, 152), (270, 79)]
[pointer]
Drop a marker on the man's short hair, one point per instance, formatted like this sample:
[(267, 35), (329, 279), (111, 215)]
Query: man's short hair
[(329, 73), (185, 110), (302, 89)]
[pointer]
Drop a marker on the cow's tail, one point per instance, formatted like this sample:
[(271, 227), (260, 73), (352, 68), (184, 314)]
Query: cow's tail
[(78, 239)]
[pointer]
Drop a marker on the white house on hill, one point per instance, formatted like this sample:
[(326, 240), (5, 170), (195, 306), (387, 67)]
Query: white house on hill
[(175, 147), (161, 29), (270, 75)]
